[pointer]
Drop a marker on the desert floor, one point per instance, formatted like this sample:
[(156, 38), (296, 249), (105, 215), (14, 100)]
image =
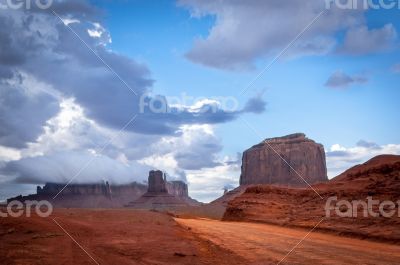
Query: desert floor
[(77, 236)]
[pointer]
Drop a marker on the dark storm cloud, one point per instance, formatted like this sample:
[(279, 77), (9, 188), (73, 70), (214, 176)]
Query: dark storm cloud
[(11, 51), (18, 124), (6, 72), (39, 44)]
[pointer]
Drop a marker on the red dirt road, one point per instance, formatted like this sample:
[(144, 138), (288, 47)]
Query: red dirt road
[(268, 244)]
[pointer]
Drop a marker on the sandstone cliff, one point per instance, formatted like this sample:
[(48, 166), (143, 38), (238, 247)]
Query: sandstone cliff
[(263, 163), (379, 178), (178, 188)]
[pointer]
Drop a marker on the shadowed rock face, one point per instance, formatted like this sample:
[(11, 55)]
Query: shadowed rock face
[(75, 189), (261, 163), (157, 181), (161, 194)]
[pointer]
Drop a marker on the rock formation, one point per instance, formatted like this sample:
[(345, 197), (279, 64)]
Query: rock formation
[(77, 189), (178, 188), (157, 181), (378, 179), (99, 195), (104, 195), (163, 194), (265, 163)]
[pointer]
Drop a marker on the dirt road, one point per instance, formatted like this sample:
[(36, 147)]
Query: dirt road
[(267, 244)]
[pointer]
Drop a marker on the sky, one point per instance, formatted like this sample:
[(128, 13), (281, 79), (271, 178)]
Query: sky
[(107, 90)]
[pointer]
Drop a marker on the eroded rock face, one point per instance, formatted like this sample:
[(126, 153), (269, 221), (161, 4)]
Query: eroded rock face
[(75, 189), (178, 188), (261, 163), (157, 181)]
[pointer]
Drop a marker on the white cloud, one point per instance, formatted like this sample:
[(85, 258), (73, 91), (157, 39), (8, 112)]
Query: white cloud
[(208, 184), (98, 32), (197, 147), (243, 32), (82, 167), (68, 21), (9, 154), (337, 147), (340, 158), (68, 130)]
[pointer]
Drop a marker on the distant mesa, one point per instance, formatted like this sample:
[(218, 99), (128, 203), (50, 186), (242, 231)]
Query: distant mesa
[(105, 195), (163, 194), (284, 161)]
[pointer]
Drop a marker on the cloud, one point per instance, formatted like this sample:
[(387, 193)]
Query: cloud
[(255, 105), (243, 33), (8, 154), (197, 148), (62, 167), (361, 40), (77, 73), (341, 158), (340, 79), (208, 184), (366, 144), (71, 7), (23, 112), (60, 105), (396, 68)]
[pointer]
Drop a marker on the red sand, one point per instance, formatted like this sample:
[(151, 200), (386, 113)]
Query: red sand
[(109, 236)]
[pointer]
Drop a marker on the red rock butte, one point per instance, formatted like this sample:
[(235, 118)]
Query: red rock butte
[(280, 161), (163, 194)]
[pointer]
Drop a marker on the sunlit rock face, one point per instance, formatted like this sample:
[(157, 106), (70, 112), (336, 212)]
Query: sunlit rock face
[(265, 163), (178, 188)]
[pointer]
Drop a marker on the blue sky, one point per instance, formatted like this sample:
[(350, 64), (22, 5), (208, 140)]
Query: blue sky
[(337, 83), (159, 34)]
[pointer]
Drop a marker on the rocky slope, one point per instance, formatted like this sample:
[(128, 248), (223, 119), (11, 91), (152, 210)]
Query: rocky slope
[(378, 179), (263, 163)]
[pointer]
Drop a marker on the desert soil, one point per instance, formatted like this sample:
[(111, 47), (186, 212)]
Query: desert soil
[(269, 244), (108, 236), (143, 237)]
